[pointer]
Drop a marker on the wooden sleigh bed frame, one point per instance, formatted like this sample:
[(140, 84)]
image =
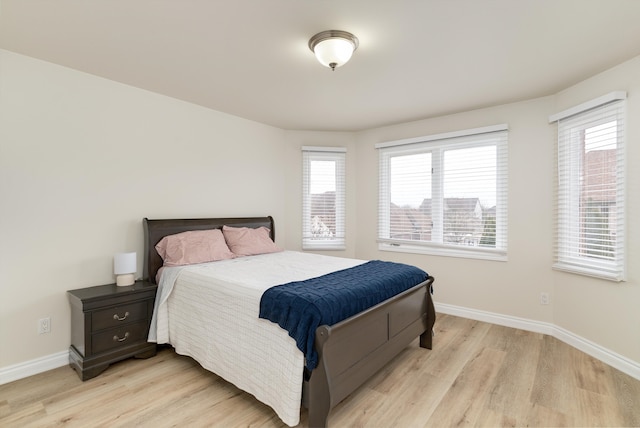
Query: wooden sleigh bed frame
[(351, 351)]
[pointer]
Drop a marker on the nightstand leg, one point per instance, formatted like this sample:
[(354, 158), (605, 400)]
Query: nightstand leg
[(147, 354)]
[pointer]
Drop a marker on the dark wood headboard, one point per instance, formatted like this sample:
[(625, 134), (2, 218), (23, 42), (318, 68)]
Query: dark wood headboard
[(155, 230)]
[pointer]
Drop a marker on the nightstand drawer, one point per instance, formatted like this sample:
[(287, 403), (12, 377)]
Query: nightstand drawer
[(118, 315), (117, 337)]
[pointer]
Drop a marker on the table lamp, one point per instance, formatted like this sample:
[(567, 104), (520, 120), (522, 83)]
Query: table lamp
[(124, 267)]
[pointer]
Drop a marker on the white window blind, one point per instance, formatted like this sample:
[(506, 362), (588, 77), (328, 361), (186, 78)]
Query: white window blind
[(590, 181), (445, 194), (323, 199)]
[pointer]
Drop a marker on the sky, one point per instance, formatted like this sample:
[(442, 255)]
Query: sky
[(458, 163)]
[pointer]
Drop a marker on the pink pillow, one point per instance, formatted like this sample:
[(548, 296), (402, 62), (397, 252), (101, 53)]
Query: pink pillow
[(246, 241), (196, 246)]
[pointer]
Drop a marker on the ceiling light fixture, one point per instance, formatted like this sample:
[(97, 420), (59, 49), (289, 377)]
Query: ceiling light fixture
[(333, 48)]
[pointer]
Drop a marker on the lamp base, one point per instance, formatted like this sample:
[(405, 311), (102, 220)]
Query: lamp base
[(126, 279)]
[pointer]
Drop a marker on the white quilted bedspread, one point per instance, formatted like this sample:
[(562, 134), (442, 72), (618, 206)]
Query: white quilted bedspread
[(210, 313)]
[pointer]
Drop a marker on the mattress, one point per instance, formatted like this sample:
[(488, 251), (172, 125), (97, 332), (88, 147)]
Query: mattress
[(210, 312)]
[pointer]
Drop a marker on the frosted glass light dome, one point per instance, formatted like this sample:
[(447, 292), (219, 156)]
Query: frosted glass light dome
[(333, 48)]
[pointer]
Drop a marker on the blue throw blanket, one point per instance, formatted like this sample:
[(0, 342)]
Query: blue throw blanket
[(301, 307)]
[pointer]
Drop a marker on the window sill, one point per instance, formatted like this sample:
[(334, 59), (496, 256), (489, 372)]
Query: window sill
[(329, 246), (478, 254), (591, 272)]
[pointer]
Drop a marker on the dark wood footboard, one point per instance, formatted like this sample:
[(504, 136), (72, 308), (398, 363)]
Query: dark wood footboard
[(353, 350)]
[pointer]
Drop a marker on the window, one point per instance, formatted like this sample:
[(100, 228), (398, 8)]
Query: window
[(323, 198), (590, 188), (445, 194)]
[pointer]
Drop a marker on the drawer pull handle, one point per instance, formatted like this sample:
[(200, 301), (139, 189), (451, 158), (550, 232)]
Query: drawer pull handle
[(117, 317), (121, 339)]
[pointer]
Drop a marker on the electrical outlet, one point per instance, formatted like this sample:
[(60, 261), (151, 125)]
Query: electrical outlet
[(544, 298), (44, 325)]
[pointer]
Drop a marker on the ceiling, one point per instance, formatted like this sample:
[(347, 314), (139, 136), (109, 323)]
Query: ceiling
[(249, 58)]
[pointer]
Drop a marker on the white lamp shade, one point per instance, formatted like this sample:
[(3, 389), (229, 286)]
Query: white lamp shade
[(125, 266), (124, 263), (334, 51)]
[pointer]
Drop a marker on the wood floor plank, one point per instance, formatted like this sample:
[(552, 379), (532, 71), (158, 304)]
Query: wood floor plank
[(478, 374), (554, 385), (29, 414), (468, 394), (516, 376), (541, 416), (424, 393), (626, 391), (590, 374), (459, 338), (5, 409)]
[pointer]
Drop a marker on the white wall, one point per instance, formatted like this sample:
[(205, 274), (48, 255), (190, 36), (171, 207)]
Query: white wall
[(600, 312), (295, 141), (82, 161), (509, 288)]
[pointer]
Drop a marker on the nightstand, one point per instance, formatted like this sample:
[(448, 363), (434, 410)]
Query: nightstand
[(108, 324)]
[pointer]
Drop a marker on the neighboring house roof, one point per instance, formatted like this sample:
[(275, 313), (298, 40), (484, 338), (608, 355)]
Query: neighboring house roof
[(599, 183), (409, 223)]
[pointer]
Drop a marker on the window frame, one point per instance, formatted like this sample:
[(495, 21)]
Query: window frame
[(337, 155), (569, 251), (437, 145)]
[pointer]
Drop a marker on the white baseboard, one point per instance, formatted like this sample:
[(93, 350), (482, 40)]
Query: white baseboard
[(625, 365), (32, 367)]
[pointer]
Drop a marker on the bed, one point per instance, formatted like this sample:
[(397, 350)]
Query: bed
[(349, 352)]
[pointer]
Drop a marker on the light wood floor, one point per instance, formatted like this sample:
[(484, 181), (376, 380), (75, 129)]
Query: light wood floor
[(478, 374)]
